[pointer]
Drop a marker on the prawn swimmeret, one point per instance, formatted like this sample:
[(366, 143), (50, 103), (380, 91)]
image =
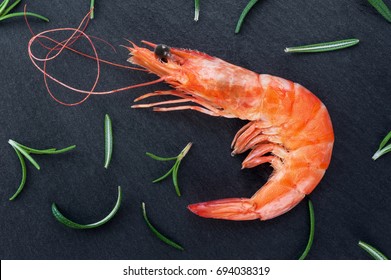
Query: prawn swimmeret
[(289, 127)]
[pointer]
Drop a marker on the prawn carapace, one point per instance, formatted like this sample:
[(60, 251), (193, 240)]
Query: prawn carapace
[(289, 126)]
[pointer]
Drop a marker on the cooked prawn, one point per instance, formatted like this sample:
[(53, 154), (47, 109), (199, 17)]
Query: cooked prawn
[(289, 126)]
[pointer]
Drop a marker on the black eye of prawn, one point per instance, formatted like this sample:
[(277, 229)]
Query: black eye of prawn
[(162, 52)]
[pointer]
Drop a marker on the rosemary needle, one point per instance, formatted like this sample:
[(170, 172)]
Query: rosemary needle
[(175, 177), (22, 14), (376, 254), (92, 7), (312, 231), (34, 151), (382, 8), (157, 233), (108, 140), (323, 47), (165, 175), (24, 174), (383, 149), (160, 158), (243, 14), (196, 9), (50, 151), (69, 223)]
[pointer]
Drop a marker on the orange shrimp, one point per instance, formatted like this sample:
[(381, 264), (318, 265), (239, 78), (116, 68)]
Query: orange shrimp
[(289, 126)]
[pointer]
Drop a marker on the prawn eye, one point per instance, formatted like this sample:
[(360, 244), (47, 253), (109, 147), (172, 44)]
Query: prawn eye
[(162, 52)]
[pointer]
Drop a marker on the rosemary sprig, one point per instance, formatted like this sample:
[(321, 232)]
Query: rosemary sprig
[(376, 254), (174, 168), (382, 8), (22, 150), (312, 231), (108, 140), (383, 149), (157, 233), (248, 7), (196, 9), (67, 222), (92, 7), (4, 11), (323, 47)]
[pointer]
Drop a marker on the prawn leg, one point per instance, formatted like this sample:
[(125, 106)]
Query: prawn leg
[(250, 135), (183, 98)]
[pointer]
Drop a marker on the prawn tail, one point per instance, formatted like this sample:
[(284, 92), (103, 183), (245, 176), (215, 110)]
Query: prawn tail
[(228, 209)]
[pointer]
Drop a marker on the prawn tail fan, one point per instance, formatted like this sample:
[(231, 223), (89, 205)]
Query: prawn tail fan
[(228, 209)]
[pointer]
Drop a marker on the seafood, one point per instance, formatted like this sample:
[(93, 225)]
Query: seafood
[(289, 127)]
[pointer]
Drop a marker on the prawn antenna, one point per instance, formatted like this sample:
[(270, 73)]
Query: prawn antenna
[(56, 47)]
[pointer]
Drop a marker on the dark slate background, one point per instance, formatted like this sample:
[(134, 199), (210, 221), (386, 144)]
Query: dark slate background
[(351, 203)]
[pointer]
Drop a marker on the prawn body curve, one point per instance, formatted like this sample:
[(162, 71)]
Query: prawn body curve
[(289, 127)]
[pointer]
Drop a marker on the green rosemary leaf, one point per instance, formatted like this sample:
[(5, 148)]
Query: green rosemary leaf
[(175, 177), (385, 140), (44, 151), (160, 158), (92, 8), (35, 151), (164, 176), (157, 233), (24, 152), (376, 254), (22, 14), (383, 149), (54, 152), (108, 140), (250, 4), (176, 167), (11, 7), (69, 223), (323, 47), (49, 151), (312, 231), (382, 8), (196, 9), (3, 5), (24, 174)]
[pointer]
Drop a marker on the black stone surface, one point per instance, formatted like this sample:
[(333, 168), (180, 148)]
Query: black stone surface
[(351, 203)]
